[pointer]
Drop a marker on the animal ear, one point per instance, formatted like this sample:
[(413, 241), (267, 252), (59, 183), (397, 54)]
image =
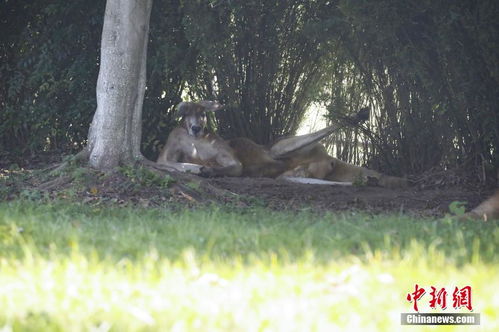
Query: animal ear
[(181, 109), (211, 106)]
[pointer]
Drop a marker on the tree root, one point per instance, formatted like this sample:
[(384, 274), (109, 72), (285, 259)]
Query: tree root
[(60, 181), (214, 192), (191, 187), (80, 157)]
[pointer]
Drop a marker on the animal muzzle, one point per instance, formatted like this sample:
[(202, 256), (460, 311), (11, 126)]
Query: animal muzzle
[(196, 130)]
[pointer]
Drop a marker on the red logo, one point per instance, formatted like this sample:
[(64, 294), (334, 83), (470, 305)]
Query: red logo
[(460, 297), (438, 298), (415, 296)]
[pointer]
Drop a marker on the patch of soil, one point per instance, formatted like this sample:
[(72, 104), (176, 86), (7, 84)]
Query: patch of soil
[(94, 187), (280, 194), (40, 159)]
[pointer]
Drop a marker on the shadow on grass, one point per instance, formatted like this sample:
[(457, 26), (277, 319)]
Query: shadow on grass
[(225, 234)]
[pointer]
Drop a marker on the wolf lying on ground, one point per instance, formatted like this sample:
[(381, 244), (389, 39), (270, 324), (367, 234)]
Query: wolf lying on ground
[(191, 147)]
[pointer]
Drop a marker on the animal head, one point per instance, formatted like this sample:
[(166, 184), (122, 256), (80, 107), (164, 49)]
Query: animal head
[(194, 115)]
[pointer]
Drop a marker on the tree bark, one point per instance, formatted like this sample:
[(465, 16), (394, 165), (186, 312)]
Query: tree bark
[(115, 132)]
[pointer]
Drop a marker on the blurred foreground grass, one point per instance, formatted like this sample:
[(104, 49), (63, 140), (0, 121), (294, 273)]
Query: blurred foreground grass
[(71, 267)]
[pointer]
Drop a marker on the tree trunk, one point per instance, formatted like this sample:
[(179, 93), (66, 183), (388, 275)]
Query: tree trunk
[(115, 132)]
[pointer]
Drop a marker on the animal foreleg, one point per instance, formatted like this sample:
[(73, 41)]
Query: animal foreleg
[(230, 166), (183, 167)]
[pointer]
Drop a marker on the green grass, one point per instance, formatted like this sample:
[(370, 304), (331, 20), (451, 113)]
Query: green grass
[(65, 266)]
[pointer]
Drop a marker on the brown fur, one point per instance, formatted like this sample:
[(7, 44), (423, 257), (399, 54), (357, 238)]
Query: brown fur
[(310, 162), (317, 163), (487, 210), (256, 159), (192, 148), (207, 154)]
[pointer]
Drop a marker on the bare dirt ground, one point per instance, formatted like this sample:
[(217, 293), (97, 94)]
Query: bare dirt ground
[(430, 197), (279, 194)]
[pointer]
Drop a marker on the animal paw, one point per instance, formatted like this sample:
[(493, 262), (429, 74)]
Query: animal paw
[(191, 168), (207, 172)]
